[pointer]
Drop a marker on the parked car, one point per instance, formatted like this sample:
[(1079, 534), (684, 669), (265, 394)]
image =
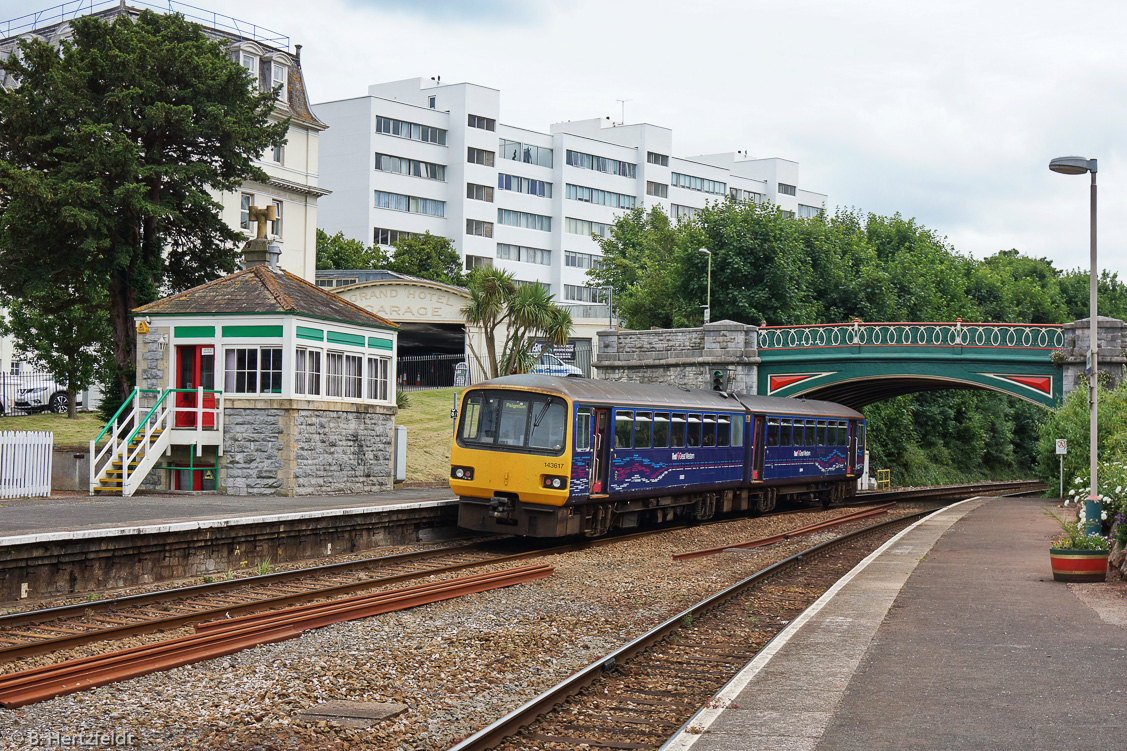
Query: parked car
[(33, 393), (548, 364)]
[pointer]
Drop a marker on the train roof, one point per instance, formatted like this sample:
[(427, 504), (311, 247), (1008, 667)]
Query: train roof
[(655, 395)]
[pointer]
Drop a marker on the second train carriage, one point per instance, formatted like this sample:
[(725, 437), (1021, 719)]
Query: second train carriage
[(549, 457)]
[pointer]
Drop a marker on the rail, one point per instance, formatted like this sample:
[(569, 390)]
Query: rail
[(957, 334)]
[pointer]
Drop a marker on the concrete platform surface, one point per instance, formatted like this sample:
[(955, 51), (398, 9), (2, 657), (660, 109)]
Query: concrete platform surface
[(952, 636), (70, 513)]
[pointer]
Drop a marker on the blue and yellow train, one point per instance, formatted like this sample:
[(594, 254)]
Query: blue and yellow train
[(549, 457)]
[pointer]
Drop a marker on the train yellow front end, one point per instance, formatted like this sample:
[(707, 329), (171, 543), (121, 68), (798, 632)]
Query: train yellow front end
[(510, 462)]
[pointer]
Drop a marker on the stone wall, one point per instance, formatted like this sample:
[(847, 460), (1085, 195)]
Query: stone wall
[(1111, 340), (305, 447), (682, 357), (153, 353)]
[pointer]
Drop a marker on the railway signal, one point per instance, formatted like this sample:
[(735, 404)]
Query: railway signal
[(719, 380)]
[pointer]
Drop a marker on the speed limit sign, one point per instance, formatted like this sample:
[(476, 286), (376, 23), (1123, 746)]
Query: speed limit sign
[(1062, 446)]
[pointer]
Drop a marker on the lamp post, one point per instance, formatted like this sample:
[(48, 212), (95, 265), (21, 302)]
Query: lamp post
[(1076, 165), (708, 300)]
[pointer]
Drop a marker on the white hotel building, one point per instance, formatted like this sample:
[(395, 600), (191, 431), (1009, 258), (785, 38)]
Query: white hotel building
[(416, 155)]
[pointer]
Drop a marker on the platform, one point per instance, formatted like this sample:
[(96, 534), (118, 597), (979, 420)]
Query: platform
[(953, 635), (72, 544)]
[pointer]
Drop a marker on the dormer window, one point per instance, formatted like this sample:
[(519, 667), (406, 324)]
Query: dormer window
[(281, 78)]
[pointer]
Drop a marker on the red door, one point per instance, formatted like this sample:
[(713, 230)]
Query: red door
[(599, 461), (195, 368)]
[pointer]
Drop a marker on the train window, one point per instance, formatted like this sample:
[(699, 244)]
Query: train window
[(643, 429), (623, 428), (843, 434), (785, 437), (583, 429), (661, 430), (549, 419), (738, 429), (822, 433), (708, 430), (773, 430), (692, 434), (677, 431), (723, 430), (838, 434), (811, 429), (513, 422), (831, 433), (799, 433), (471, 417)]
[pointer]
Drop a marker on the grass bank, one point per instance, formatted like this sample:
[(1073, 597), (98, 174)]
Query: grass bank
[(69, 434)]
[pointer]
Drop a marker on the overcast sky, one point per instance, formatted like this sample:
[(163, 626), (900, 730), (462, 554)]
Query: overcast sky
[(948, 112)]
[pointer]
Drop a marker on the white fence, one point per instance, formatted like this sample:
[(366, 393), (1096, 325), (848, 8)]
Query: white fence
[(25, 463)]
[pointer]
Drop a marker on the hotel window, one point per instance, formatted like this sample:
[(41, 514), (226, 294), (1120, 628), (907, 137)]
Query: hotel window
[(381, 236), (575, 293), (281, 74), (276, 225), (378, 368), (410, 167), (601, 164), (479, 228), (484, 123), (527, 255), (433, 101), (413, 131), (681, 212), (582, 260), (786, 190), (479, 192), (661, 190), (807, 212), (519, 184), (477, 262), (739, 195), (584, 227), (279, 154), (600, 197), (524, 219), (250, 62), (246, 200), (525, 152), (479, 156), (410, 204), (660, 160), (690, 182)]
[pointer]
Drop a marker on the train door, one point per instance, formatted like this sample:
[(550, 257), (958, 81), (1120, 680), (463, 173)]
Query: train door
[(758, 449), (851, 455), (602, 448), (195, 368)]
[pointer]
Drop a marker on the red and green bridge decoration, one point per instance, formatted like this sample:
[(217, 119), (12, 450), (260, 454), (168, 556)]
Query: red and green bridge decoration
[(860, 363)]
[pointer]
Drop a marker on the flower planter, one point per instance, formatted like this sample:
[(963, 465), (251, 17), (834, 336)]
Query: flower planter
[(1078, 565)]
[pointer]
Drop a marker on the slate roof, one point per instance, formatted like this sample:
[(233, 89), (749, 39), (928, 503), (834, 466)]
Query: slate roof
[(262, 290)]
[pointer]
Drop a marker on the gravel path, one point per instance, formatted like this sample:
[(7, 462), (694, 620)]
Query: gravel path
[(457, 665)]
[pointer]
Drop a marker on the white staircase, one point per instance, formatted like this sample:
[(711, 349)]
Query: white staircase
[(138, 436)]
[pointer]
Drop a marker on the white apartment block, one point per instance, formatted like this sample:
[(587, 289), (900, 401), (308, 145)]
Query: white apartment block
[(416, 155)]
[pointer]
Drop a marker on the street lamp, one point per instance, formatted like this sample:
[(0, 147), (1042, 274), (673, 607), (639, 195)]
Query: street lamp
[(1077, 165), (708, 307)]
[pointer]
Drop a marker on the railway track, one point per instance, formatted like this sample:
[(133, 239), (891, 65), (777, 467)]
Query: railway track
[(50, 630), (640, 695)]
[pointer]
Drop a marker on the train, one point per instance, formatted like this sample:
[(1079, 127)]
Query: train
[(546, 456)]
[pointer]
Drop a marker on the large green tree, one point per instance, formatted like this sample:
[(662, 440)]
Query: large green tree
[(112, 146), (429, 256), (340, 252)]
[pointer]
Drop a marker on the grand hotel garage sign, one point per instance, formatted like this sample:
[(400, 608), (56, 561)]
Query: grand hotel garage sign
[(409, 301)]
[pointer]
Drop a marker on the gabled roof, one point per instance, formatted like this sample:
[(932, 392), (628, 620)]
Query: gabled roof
[(260, 289)]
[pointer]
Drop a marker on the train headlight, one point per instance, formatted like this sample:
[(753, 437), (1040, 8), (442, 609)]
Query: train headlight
[(461, 473), (555, 482)]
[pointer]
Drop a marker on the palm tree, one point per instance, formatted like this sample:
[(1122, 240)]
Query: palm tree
[(519, 314)]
